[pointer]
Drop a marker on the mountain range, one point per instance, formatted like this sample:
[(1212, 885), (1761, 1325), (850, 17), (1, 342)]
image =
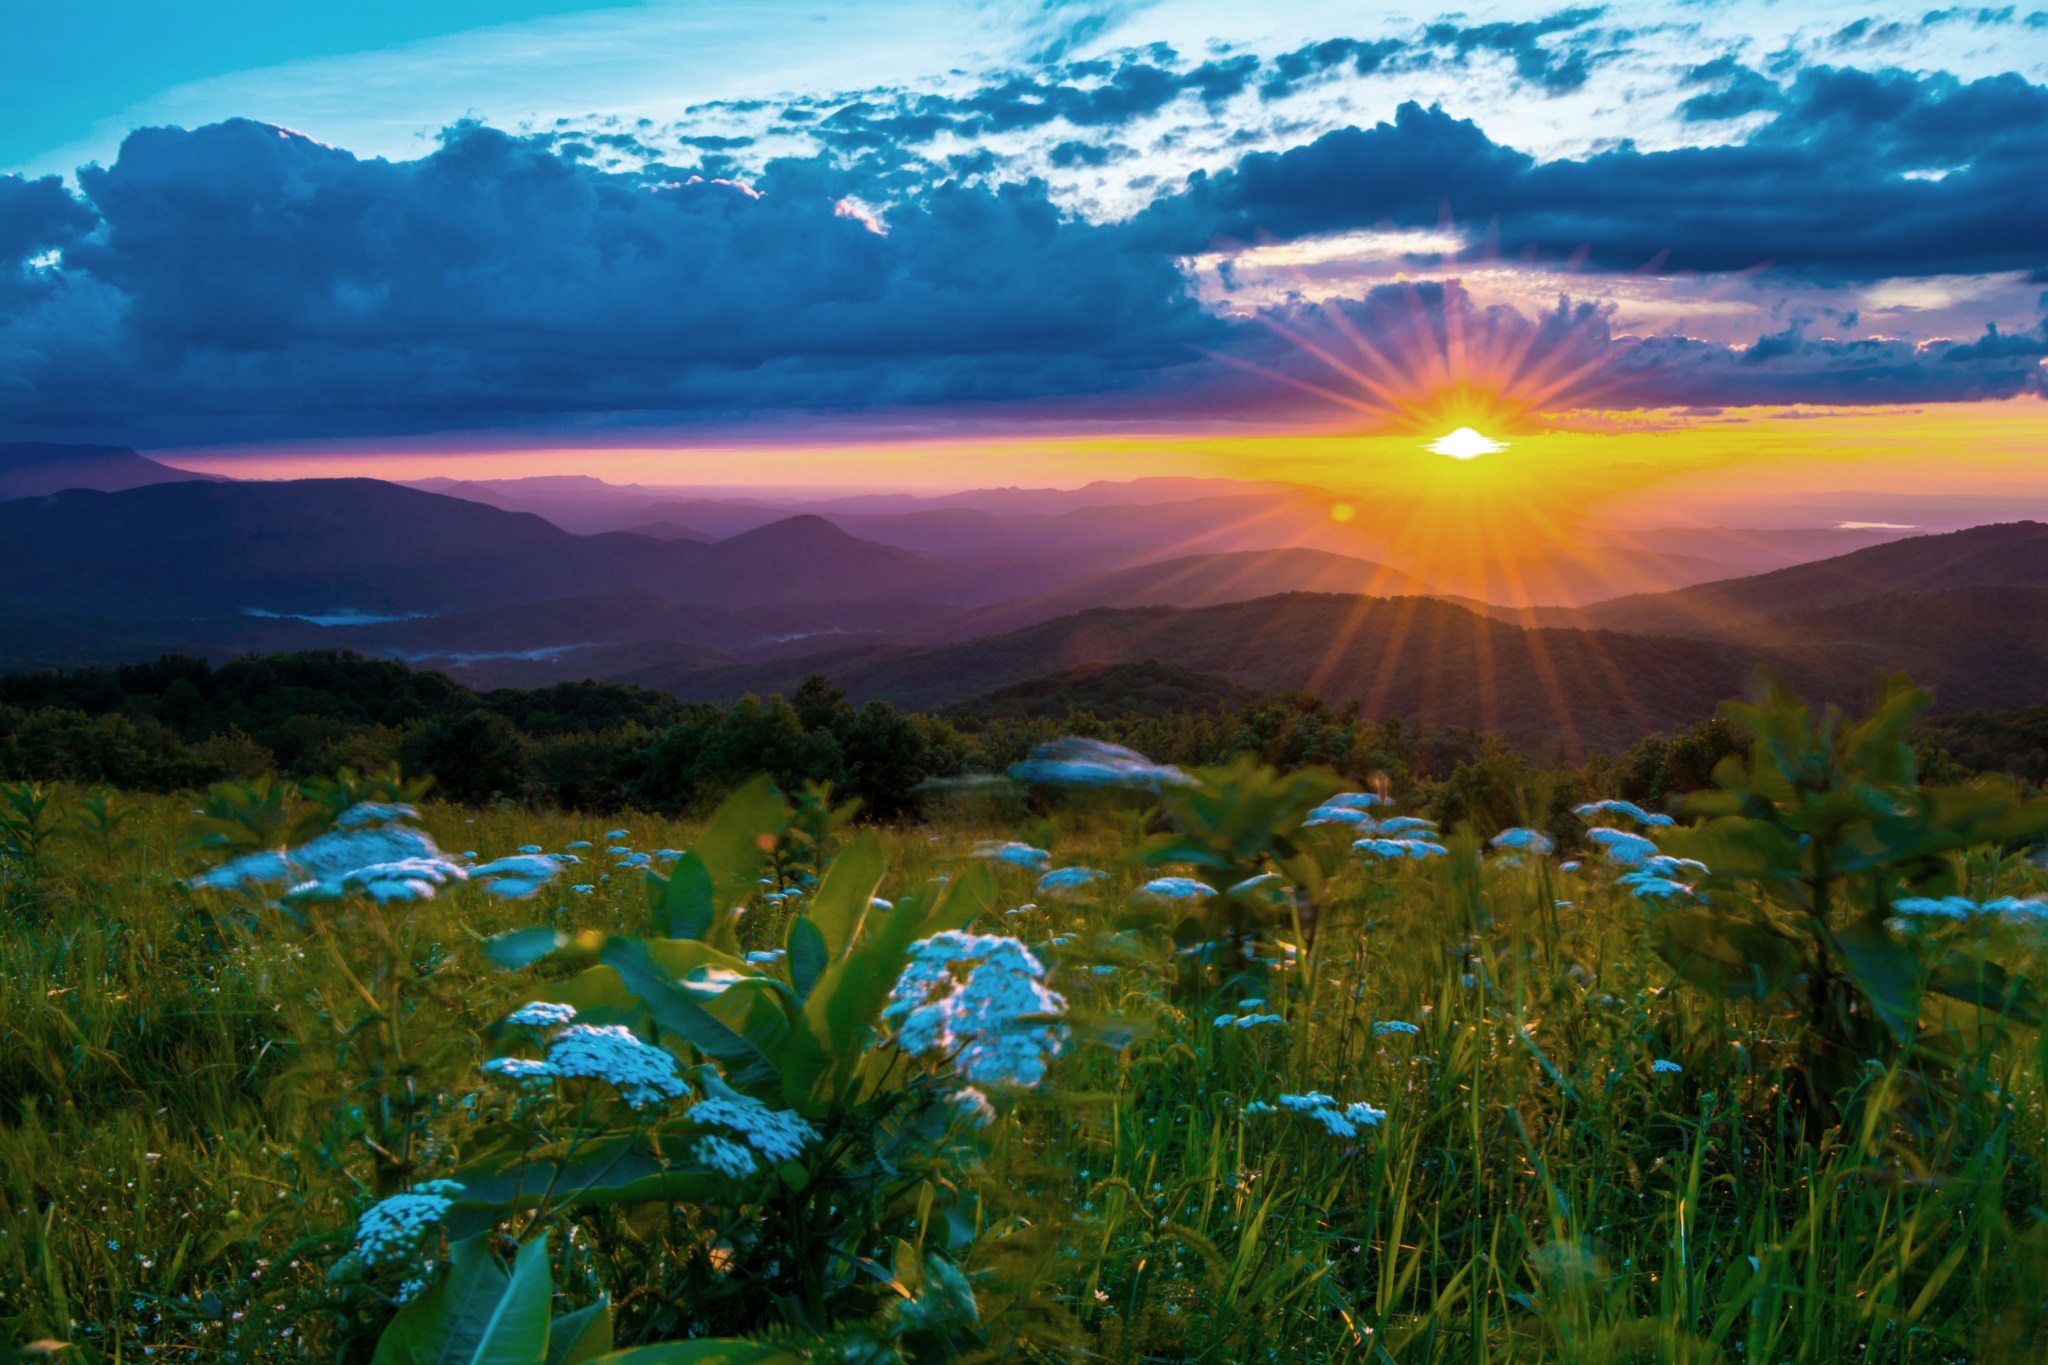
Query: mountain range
[(933, 602)]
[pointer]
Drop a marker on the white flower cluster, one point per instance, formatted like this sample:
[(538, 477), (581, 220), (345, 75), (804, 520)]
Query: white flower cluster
[(1396, 849), (1015, 854), (1623, 849), (1963, 908), (642, 1074), (1663, 1067), (980, 999), (726, 1157), (1342, 1121), (523, 1069), (1247, 1020), (1076, 762), (1522, 840), (1176, 889), (542, 1014), (1594, 810), (1387, 1026), (1068, 881), (778, 1134), (373, 851), (974, 1106), (392, 1229)]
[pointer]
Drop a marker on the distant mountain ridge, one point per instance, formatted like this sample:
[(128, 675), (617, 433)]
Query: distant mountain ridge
[(33, 469)]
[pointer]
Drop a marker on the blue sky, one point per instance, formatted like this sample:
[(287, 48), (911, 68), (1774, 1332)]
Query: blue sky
[(251, 223)]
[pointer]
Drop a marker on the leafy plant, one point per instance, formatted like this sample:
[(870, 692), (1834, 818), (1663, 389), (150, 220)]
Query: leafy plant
[(1826, 823)]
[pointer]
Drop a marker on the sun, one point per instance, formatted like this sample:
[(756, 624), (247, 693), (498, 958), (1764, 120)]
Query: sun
[(1466, 444)]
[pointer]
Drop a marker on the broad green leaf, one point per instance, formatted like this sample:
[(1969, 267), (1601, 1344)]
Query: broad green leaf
[(1885, 970), (1963, 976), (475, 1313), (523, 947), (840, 907), (837, 1026), (1738, 958), (808, 955), (969, 895), (620, 1170), (682, 904), (706, 1351), (600, 997), (735, 844), (582, 1336), (675, 1010)]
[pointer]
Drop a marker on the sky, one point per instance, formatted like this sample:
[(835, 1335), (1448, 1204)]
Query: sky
[(1668, 248)]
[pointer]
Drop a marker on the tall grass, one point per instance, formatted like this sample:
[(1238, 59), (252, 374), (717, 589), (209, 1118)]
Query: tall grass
[(181, 1121)]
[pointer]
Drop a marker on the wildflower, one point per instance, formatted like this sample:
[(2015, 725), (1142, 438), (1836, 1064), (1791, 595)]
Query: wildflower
[(1357, 800), (616, 833), (1399, 848), (1594, 809), (542, 1014), (529, 848), (778, 1134), (516, 878), (1338, 1120), (2011, 909), (1645, 883), (391, 1230), (1623, 849), (642, 1074), (367, 835), (1387, 1026), (980, 999), (1573, 865), (1175, 889), (364, 813), (726, 1157), (1269, 887), (1258, 1107), (974, 1106), (634, 860), (1015, 854), (1664, 865), (525, 1070), (1406, 824), (1524, 841), (618, 849), (1330, 813), (583, 888), (1255, 1020), (580, 843), (1065, 882), (1076, 762), (1661, 1067)]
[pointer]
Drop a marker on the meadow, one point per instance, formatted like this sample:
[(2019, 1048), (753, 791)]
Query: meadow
[(1296, 1077)]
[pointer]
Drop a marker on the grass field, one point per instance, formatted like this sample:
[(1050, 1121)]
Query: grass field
[(189, 1093)]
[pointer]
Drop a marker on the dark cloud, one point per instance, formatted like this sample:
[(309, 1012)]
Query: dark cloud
[(1737, 90), (38, 216), (248, 282), (1822, 189)]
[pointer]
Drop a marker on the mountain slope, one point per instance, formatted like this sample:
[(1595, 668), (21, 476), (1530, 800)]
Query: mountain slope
[(34, 469), (182, 550), (2012, 553)]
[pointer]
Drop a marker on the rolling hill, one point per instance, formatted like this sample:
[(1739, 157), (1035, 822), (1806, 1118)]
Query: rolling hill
[(33, 469)]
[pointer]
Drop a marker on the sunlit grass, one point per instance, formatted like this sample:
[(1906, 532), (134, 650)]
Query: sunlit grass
[(177, 1175)]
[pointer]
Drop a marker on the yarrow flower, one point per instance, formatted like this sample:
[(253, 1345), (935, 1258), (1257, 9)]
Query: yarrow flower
[(1357, 800), (542, 1014), (981, 1000), (973, 1105), (1175, 889), (778, 1134), (1524, 841), (1338, 1120), (1399, 848), (726, 1157), (1593, 810), (1961, 908), (1642, 882), (1076, 762), (642, 1074), (1063, 882), (529, 848), (1623, 849), (1247, 1020), (1015, 854), (372, 851), (1406, 824), (1330, 813), (392, 1229), (1387, 1026), (1662, 1067)]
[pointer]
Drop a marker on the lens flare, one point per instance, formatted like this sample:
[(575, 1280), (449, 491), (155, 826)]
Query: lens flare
[(1466, 444)]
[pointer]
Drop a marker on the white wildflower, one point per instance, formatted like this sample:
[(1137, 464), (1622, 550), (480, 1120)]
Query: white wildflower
[(1644, 883), (1339, 1120), (1623, 849), (1015, 854), (525, 1070), (616, 833), (1357, 800), (1077, 762), (1175, 889), (1407, 824), (1387, 1026), (580, 843), (1395, 849), (1593, 810), (392, 1230), (1661, 1067), (778, 1134), (1330, 813), (979, 999), (1524, 841), (529, 848), (641, 1073), (726, 1157), (542, 1014), (974, 1106), (1065, 882)]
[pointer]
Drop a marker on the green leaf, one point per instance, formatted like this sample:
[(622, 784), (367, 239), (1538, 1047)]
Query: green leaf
[(619, 1170), (476, 1314), (682, 903), (837, 1027), (582, 1336), (1739, 958), (1885, 970), (706, 1351), (523, 947), (840, 907), (808, 955), (736, 843), (1963, 976), (676, 1010)]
